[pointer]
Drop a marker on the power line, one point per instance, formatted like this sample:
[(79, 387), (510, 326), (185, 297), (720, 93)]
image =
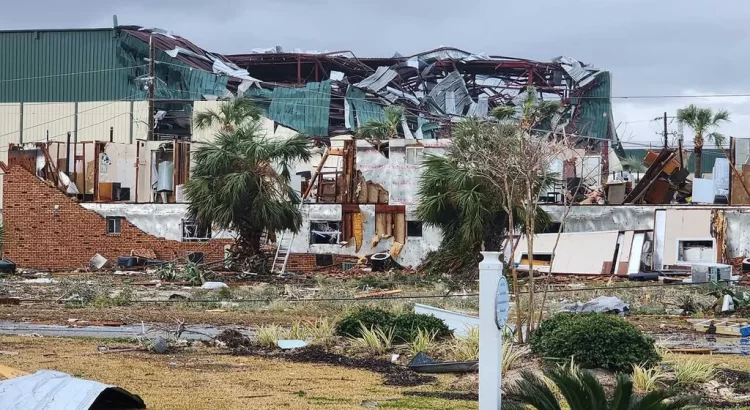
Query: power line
[(70, 74)]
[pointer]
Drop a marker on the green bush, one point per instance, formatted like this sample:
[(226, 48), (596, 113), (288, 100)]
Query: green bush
[(594, 341), (405, 326), (369, 317)]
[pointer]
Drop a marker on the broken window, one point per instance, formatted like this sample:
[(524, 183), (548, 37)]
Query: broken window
[(414, 155), (325, 232), (695, 250), (193, 232), (114, 224), (323, 260), (414, 229), (539, 259)]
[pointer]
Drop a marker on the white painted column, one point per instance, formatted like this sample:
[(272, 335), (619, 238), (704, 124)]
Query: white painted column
[(490, 337)]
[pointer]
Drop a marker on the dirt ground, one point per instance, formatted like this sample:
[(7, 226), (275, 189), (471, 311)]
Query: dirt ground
[(208, 378)]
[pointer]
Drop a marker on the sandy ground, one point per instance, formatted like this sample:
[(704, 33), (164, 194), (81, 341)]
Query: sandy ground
[(207, 378)]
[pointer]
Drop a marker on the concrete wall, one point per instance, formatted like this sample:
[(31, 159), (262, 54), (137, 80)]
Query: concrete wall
[(641, 217), (161, 220)]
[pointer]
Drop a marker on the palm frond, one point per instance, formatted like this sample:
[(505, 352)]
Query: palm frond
[(533, 391), (717, 138), (503, 112)]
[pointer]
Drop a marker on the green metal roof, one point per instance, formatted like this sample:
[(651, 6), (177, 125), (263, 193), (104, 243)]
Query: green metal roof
[(707, 163), (91, 65)]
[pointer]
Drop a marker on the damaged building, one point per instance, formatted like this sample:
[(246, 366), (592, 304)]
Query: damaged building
[(80, 131)]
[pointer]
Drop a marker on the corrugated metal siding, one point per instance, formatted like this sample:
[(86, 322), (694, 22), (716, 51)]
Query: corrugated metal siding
[(59, 66), (10, 122), (177, 80), (95, 118), (39, 118), (305, 110), (595, 109)]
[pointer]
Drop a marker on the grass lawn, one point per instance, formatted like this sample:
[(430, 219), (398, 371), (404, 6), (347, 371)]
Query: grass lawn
[(206, 378)]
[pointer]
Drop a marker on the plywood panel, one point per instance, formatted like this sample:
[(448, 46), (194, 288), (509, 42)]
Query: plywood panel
[(576, 253), (627, 243)]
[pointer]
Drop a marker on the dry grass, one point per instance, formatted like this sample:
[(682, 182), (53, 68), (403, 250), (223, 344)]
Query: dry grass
[(200, 378)]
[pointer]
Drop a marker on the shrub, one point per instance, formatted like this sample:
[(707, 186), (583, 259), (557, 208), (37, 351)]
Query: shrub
[(351, 324), (405, 326), (408, 325), (595, 341)]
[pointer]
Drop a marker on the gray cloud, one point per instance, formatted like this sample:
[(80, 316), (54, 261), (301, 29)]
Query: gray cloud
[(651, 47)]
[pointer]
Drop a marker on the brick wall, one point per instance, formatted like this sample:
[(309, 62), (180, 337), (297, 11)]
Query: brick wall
[(45, 229), (305, 262)]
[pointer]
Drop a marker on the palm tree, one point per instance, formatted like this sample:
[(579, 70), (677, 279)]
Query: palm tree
[(703, 121), (582, 391), (461, 199), (231, 115), (376, 132), (240, 181)]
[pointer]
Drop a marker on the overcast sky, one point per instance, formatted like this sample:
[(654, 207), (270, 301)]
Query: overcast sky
[(652, 47)]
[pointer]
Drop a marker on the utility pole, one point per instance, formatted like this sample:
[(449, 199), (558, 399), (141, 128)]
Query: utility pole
[(665, 131), (151, 88)]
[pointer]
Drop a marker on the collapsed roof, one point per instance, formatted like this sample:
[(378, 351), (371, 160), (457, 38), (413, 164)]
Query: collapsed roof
[(323, 94)]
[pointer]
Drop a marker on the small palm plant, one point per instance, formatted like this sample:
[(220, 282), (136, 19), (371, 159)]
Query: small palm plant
[(582, 391)]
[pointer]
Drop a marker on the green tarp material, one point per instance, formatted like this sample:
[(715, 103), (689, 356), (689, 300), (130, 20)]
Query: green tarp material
[(305, 110)]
